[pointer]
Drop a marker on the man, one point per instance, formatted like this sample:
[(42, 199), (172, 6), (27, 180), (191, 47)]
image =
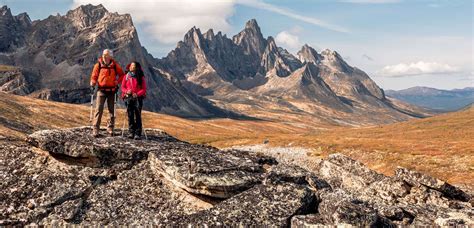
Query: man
[(106, 74)]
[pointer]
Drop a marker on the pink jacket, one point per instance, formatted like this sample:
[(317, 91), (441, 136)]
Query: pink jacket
[(130, 83)]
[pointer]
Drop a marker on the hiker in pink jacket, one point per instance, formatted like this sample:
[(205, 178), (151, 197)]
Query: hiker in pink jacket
[(133, 93)]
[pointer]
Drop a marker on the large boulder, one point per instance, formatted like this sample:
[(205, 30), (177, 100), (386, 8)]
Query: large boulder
[(407, 198), (206, 170), (263, 205)]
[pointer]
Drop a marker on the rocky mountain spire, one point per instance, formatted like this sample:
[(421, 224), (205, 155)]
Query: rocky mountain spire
[(334, 60), (194, 38), (278, 59), (251, 39), (308, 54), (12, 29), (5, 11), (87, 15)]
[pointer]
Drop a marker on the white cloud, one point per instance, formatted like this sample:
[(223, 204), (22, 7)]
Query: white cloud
[(371, 1), (417, 68), (259, 4), (289, 39), (166, 20)]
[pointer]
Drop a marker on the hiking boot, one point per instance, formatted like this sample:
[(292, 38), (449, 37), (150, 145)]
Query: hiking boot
[(110, 132), (95, 132), (131, 135), (137, 137)]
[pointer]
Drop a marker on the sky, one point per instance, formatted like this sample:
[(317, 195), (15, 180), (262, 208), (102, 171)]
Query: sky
[(398, 43)]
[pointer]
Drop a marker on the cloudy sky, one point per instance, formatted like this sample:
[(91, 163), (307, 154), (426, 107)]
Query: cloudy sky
[(399, 43)]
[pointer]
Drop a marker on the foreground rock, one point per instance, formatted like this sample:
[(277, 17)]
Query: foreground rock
[(61, 177)]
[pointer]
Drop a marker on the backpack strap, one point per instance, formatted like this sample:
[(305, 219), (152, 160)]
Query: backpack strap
[(101, 66)]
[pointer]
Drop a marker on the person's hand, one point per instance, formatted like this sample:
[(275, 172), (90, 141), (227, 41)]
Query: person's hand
[(92, 89), (92, 84), (134, 95)]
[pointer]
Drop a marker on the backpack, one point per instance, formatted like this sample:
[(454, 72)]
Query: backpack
[(107, 67)]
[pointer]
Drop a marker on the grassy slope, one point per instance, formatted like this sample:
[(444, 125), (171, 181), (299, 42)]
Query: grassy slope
[(442, 146)]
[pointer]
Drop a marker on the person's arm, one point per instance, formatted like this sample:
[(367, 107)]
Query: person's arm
[(124, 86), (142, 91), (120, 73), (94, 75)]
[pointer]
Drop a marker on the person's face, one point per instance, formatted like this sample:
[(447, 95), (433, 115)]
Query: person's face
[(133, 67), (106, 57)]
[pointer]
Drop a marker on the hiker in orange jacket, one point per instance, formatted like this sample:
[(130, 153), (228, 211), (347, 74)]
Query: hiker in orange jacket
[(107, 74)]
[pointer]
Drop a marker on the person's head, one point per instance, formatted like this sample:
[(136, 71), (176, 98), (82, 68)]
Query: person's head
[(107, 55), (133, 66), (136, 68)]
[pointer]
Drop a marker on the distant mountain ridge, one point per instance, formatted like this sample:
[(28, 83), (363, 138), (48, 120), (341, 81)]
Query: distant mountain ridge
[(249, 72), (444, 100)]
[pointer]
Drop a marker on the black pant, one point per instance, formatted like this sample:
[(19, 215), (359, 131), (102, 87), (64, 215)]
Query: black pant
[(134, 111)]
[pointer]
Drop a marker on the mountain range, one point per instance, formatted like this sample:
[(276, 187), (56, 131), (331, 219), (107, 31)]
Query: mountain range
[(206, 75), (437, 99)]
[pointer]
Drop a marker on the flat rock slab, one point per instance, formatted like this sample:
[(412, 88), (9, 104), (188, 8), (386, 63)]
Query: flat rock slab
[(198, 169), (78, 143), (263, 205), (206, 170)]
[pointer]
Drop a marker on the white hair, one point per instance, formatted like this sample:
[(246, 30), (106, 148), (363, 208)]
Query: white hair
[(111, 53)]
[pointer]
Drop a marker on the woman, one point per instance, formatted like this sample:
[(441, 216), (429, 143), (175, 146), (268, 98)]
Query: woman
[(133, 93)]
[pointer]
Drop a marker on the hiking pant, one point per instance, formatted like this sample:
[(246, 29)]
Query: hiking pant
[(102, 97), (134, 111)]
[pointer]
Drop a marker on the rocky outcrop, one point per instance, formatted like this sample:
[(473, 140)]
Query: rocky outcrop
[(407, 198), (12, 29), (15, 82), (263, 205), (63, 177)]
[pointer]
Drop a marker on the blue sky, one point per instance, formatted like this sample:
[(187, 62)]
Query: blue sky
[(399, 43)]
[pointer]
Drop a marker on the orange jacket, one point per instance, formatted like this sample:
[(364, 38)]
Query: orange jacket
[(107, 77)]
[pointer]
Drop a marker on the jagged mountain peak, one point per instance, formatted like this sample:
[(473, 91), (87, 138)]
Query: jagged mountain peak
[(271, 44), (90, 9), (194, 30), (334, 60), (252, 24), (251, 39), (5, 11), (209, 34), (24, 18), (308, 54), (87, 15)]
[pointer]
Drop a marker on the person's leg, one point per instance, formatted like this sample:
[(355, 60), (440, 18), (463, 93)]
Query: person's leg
[(98, 112), (138, 116), (131, 121), (110, 107)]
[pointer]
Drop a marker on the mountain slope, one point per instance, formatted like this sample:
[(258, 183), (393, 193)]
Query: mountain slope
[(443, 100), (56, 55)]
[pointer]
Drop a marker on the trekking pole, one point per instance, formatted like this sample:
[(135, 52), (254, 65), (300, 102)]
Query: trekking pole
[(92, 106), (115, 105), (125, 114), (144, 130), (143, 126)]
